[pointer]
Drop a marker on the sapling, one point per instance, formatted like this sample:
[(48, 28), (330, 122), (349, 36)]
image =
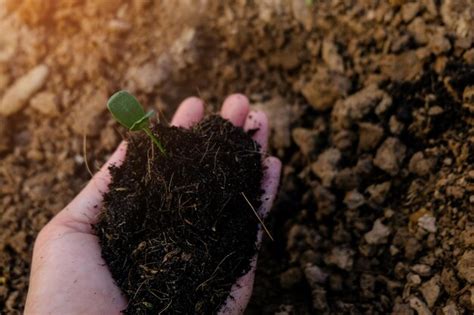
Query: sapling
[(129, 112)]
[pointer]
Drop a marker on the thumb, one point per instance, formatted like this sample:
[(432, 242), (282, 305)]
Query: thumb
[(84, 209)]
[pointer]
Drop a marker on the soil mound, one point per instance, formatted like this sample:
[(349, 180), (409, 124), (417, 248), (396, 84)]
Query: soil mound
[(176, 230)]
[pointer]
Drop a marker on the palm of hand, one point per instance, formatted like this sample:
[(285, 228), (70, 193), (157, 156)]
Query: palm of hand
[(68, 274)]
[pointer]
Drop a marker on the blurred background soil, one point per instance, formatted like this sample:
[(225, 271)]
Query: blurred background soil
[(372, 108)]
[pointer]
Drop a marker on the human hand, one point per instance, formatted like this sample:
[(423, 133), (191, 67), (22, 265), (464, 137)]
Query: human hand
[(68, 274)]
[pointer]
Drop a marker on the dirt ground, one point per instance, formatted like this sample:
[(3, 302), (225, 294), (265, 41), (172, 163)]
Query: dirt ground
[(372, 108)]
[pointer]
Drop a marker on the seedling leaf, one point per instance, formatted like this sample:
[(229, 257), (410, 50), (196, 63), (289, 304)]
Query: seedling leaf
[(126, 109), (129, 112), (142, 122)]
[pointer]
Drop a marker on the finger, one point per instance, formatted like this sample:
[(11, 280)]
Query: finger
[(85, 208), (271, 179), (257, 121), (235, 109), (240, 293), (189, 112)]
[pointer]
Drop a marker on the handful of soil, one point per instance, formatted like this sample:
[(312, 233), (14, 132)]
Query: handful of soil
[(176, 231)]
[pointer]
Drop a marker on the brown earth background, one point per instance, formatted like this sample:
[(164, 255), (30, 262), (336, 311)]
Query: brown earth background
[(372, 112)]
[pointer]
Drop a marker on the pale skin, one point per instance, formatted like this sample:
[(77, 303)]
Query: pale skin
[(68, 274)]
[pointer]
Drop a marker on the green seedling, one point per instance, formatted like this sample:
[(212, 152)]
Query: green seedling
[(129, 112)]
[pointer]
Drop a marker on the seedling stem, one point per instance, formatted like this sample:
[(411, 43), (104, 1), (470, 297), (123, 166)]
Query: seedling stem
[(154, 139)]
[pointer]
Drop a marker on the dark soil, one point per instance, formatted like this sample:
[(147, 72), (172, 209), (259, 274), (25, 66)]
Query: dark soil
[(176, 230)]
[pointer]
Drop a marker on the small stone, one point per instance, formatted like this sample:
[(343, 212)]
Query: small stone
[(419, 306), (435, 111), (438, 43), (378, 192), (467, 236), (469, 56), (341, 257), (439, 66), (448, 161), (393, 250), (315, 275), (428, 223), (290, 277), (413, 279), (430, 291), (343, 139), (421, 269), (418, 29), (356, 106), (325, 201), (450, 309), (354, 199), (16, 96), (305, 139), (364, 165), (388, 213), (396, 127), (378, 234), (45, 103), (420, 165), (390, 155), (412, 247), (468, 94), (325, 166), (455, 191), (78, 159), (415, 216), (465, 266), (403, 67), (449, 282), (321, 95), (301, 237), (331, 56), (116, 25), (431, 241), (369, 136), (409, 11), (400, 270)]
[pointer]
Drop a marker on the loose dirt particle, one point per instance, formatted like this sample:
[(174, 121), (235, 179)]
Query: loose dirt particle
[(17, 95), (341, 257), (369, 136), (378, 234), (325, 166), (390, 156), (465, 266), (419, 306), (430, 291)]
